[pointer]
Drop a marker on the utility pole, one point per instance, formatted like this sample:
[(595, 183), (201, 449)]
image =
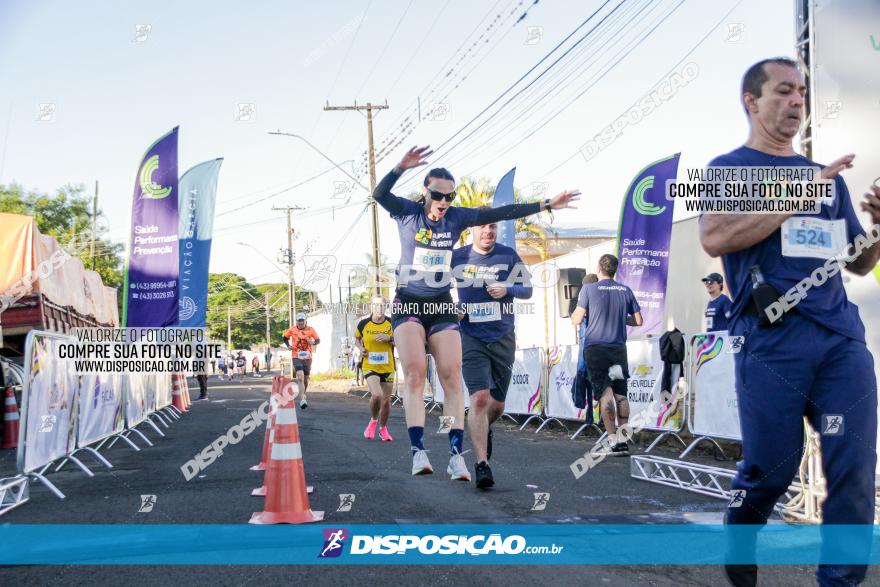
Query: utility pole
[(268, 319), (369, 107), (94, 226), (228, 329), (288, 254)]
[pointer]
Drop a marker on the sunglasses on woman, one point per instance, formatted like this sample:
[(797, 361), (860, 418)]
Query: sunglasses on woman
[(437, 196)]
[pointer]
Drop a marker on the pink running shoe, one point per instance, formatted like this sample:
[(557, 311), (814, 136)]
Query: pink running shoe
[(385, 435), (370, 430)]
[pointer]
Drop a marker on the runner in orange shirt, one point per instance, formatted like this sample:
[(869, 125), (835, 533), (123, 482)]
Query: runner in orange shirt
[(301, 340)]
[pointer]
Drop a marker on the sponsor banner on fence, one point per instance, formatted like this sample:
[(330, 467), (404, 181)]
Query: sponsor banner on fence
[(163, 389), (50, 412), (469, 544), (716, 412), (645, 382), (100, 406), (136, 398), (526, 383), (563, 368)]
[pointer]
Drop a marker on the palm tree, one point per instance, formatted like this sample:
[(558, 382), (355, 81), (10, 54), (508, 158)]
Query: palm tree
[(472, 193)]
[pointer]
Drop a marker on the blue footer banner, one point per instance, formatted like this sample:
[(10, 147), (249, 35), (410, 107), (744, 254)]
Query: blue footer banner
[(454, 544)]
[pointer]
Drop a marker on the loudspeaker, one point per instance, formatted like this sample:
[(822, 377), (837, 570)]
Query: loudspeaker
[(567, 289)]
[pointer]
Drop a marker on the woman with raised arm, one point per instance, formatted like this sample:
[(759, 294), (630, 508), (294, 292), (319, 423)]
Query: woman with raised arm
[(423, 312)]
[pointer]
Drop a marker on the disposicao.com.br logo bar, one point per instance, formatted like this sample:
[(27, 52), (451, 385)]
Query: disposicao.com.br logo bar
[(455, 544), (430, 544)]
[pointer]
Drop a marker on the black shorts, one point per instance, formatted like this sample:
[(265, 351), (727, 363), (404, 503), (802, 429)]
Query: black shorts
[(599, 359), (304, 365), (435, 314), (383, 377), (488, 365)]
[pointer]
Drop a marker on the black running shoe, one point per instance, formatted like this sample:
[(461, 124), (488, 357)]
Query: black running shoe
[(621, 449), (742, 575), (489, 445), (483, 476)]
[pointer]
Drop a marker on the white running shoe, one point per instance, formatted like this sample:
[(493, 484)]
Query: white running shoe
[(457, 469), (421, 465)]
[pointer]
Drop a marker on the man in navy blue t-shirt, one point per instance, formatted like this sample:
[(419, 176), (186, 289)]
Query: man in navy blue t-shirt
[(488, 277), (813, 364), (718, 308), (609, 307)]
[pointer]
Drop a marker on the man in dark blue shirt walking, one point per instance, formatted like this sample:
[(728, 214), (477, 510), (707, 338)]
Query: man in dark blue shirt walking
[(609, 307)]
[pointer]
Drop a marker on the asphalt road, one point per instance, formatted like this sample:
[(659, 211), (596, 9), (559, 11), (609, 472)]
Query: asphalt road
[(339, 460)]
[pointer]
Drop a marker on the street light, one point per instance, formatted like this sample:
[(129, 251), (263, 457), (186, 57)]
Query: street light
[(321, 153), (260, 253)]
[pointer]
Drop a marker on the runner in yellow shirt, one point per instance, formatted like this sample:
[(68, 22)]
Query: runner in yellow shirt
[(374, 336)]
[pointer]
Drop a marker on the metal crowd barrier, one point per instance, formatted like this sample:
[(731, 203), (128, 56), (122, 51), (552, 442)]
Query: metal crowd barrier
[(55, 402)]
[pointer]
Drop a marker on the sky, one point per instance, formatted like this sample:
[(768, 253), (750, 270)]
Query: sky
[(119, 75)]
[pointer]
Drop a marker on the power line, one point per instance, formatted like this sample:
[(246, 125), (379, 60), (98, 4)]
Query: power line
[(659, 80), (278, 193), (527, 73), (528, 109), (567, 81)]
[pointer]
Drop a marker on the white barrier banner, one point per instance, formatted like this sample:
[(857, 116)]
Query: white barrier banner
[(645, 381), (135, 404), (716, 412), (524, 396), (439, 394), (150, 380), (563, 369), (163, 390), (50, 430), (100, 406)]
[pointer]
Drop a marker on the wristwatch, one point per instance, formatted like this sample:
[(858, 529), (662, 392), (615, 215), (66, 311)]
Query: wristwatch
[(547, 204)]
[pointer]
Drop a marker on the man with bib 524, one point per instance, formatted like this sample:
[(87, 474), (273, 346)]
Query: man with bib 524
[(809, 360)]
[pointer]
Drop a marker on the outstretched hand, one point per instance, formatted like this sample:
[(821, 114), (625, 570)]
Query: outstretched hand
[(871, 202), (832, 169), (565, 199), (415, 157)]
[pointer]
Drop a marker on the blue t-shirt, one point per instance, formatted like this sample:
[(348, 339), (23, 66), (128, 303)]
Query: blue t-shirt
[(426, 248), (486, 318), (607, 304), (826, 304), (717, 313)]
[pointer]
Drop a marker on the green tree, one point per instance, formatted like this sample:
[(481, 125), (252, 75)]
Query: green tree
[(230, 295)]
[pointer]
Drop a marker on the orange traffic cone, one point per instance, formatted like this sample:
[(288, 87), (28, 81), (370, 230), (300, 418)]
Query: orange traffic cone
[(184, 390), (10, 420), (278, 383), (287, 500), (176, 393), (267, 439)]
